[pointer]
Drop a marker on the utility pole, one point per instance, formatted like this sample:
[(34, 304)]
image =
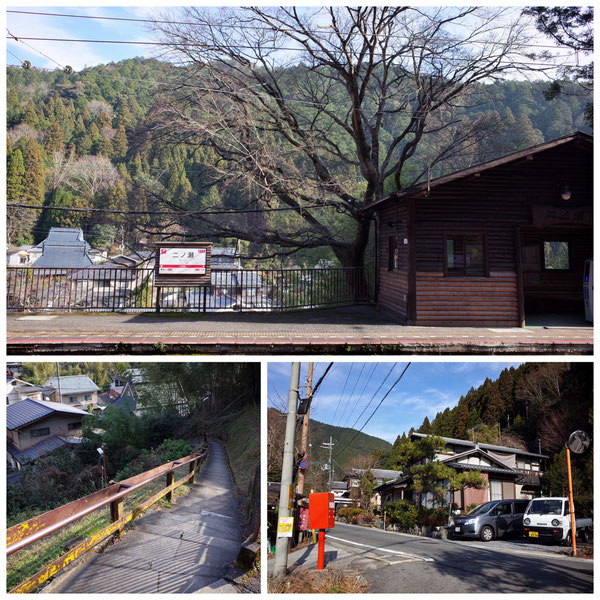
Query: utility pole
[(287, 471), (304, 441), (60, 398), (329, 445)]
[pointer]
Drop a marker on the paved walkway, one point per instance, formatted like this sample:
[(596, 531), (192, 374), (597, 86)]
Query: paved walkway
[(186, 549), (360, 329)]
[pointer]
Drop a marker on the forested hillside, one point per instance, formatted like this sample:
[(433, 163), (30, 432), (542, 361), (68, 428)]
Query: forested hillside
[(362, 445), (537, 405), (83, 141)]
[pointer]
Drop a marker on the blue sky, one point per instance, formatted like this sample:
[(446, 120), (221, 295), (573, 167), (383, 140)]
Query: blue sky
[(80, 55), (426, 389)]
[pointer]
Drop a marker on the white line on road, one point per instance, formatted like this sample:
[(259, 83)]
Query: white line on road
[(386, 550)]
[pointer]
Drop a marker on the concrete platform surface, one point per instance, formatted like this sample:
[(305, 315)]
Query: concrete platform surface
[(358, 329), (179, 550)]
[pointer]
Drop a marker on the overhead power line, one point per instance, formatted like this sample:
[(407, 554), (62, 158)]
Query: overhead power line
[(437, 59), (376, 408), (317, 385), (322, 30), (183, 213)]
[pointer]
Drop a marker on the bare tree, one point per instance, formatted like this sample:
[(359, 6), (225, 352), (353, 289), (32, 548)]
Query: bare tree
[(59, 170), (91, 174), (297, 106)]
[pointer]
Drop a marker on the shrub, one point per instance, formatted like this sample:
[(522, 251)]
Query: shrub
[(145, 462), (402, 512), (172, 450), (344, 512), (432, 517)]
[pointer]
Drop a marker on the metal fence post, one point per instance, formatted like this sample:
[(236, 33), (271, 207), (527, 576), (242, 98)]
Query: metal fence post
[(169, 495), (158, 289), (116, 513)]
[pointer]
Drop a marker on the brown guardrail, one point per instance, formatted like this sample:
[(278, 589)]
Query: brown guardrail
[(24, 534)]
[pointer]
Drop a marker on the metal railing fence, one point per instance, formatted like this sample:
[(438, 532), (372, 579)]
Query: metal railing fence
[(24, 534), (133, 290)]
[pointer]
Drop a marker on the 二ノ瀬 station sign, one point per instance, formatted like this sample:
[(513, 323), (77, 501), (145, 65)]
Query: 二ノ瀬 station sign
[(183, 264)]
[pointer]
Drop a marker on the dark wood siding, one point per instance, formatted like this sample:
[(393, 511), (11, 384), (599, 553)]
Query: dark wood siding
[(467, 300), (393, 285), (495, 203)]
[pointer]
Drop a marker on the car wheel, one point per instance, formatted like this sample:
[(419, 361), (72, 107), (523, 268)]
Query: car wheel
[(583, 536), (487, 533)]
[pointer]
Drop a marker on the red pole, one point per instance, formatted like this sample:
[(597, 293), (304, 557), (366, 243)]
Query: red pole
[(321, 556)]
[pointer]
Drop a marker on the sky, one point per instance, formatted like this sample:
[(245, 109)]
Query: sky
[(426, 389), (51, 54), (77, 55)]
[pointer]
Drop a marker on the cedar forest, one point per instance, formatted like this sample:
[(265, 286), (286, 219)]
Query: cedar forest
[(83, 141)]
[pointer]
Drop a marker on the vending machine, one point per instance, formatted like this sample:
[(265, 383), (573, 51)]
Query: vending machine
[(588, 289)]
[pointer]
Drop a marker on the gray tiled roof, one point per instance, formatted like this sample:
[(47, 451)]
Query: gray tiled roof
[(63, 258), (73, 384), (45, 446), (64, 248), (378, 473), (64, 236), (484, 468), (29, 411), (339, 485), (468, 444)]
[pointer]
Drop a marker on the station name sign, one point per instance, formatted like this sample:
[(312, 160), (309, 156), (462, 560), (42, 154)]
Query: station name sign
[(183, 263)]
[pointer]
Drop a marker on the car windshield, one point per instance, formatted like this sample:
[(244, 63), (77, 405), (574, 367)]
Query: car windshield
[(545, 507), (481, 509)]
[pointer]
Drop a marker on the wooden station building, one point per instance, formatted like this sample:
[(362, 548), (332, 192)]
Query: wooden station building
[(491, 244)]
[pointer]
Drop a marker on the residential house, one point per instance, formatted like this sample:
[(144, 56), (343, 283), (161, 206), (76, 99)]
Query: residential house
[(22, 256), (17, 390), (35, 427), (75, 390), (498, 244), (64, 248), (508, 472), (120, 393), (353, 478), (231, 286)]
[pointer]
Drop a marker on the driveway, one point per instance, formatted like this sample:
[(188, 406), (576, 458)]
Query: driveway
[(348, 330)]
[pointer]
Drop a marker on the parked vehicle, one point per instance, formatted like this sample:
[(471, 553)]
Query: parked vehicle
[(491, 520), (550, 519)]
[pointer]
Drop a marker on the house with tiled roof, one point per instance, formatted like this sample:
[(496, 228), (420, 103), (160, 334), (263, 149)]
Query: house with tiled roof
[(509, 473), (35, 427), (354, 476), (64, 248), (120, 393), (75, 390)]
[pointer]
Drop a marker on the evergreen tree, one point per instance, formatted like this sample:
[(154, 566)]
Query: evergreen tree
[(426, 426), (54, 141), (494, 408), (34, 188), (15, 174), (120, 143), (30, 116), (462, 418)]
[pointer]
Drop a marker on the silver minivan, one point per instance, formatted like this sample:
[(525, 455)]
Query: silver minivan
[(491, 520)]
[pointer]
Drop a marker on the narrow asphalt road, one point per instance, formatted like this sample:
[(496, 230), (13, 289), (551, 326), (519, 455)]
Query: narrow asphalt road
[(345, 329), (185, 549), (397, 563)]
